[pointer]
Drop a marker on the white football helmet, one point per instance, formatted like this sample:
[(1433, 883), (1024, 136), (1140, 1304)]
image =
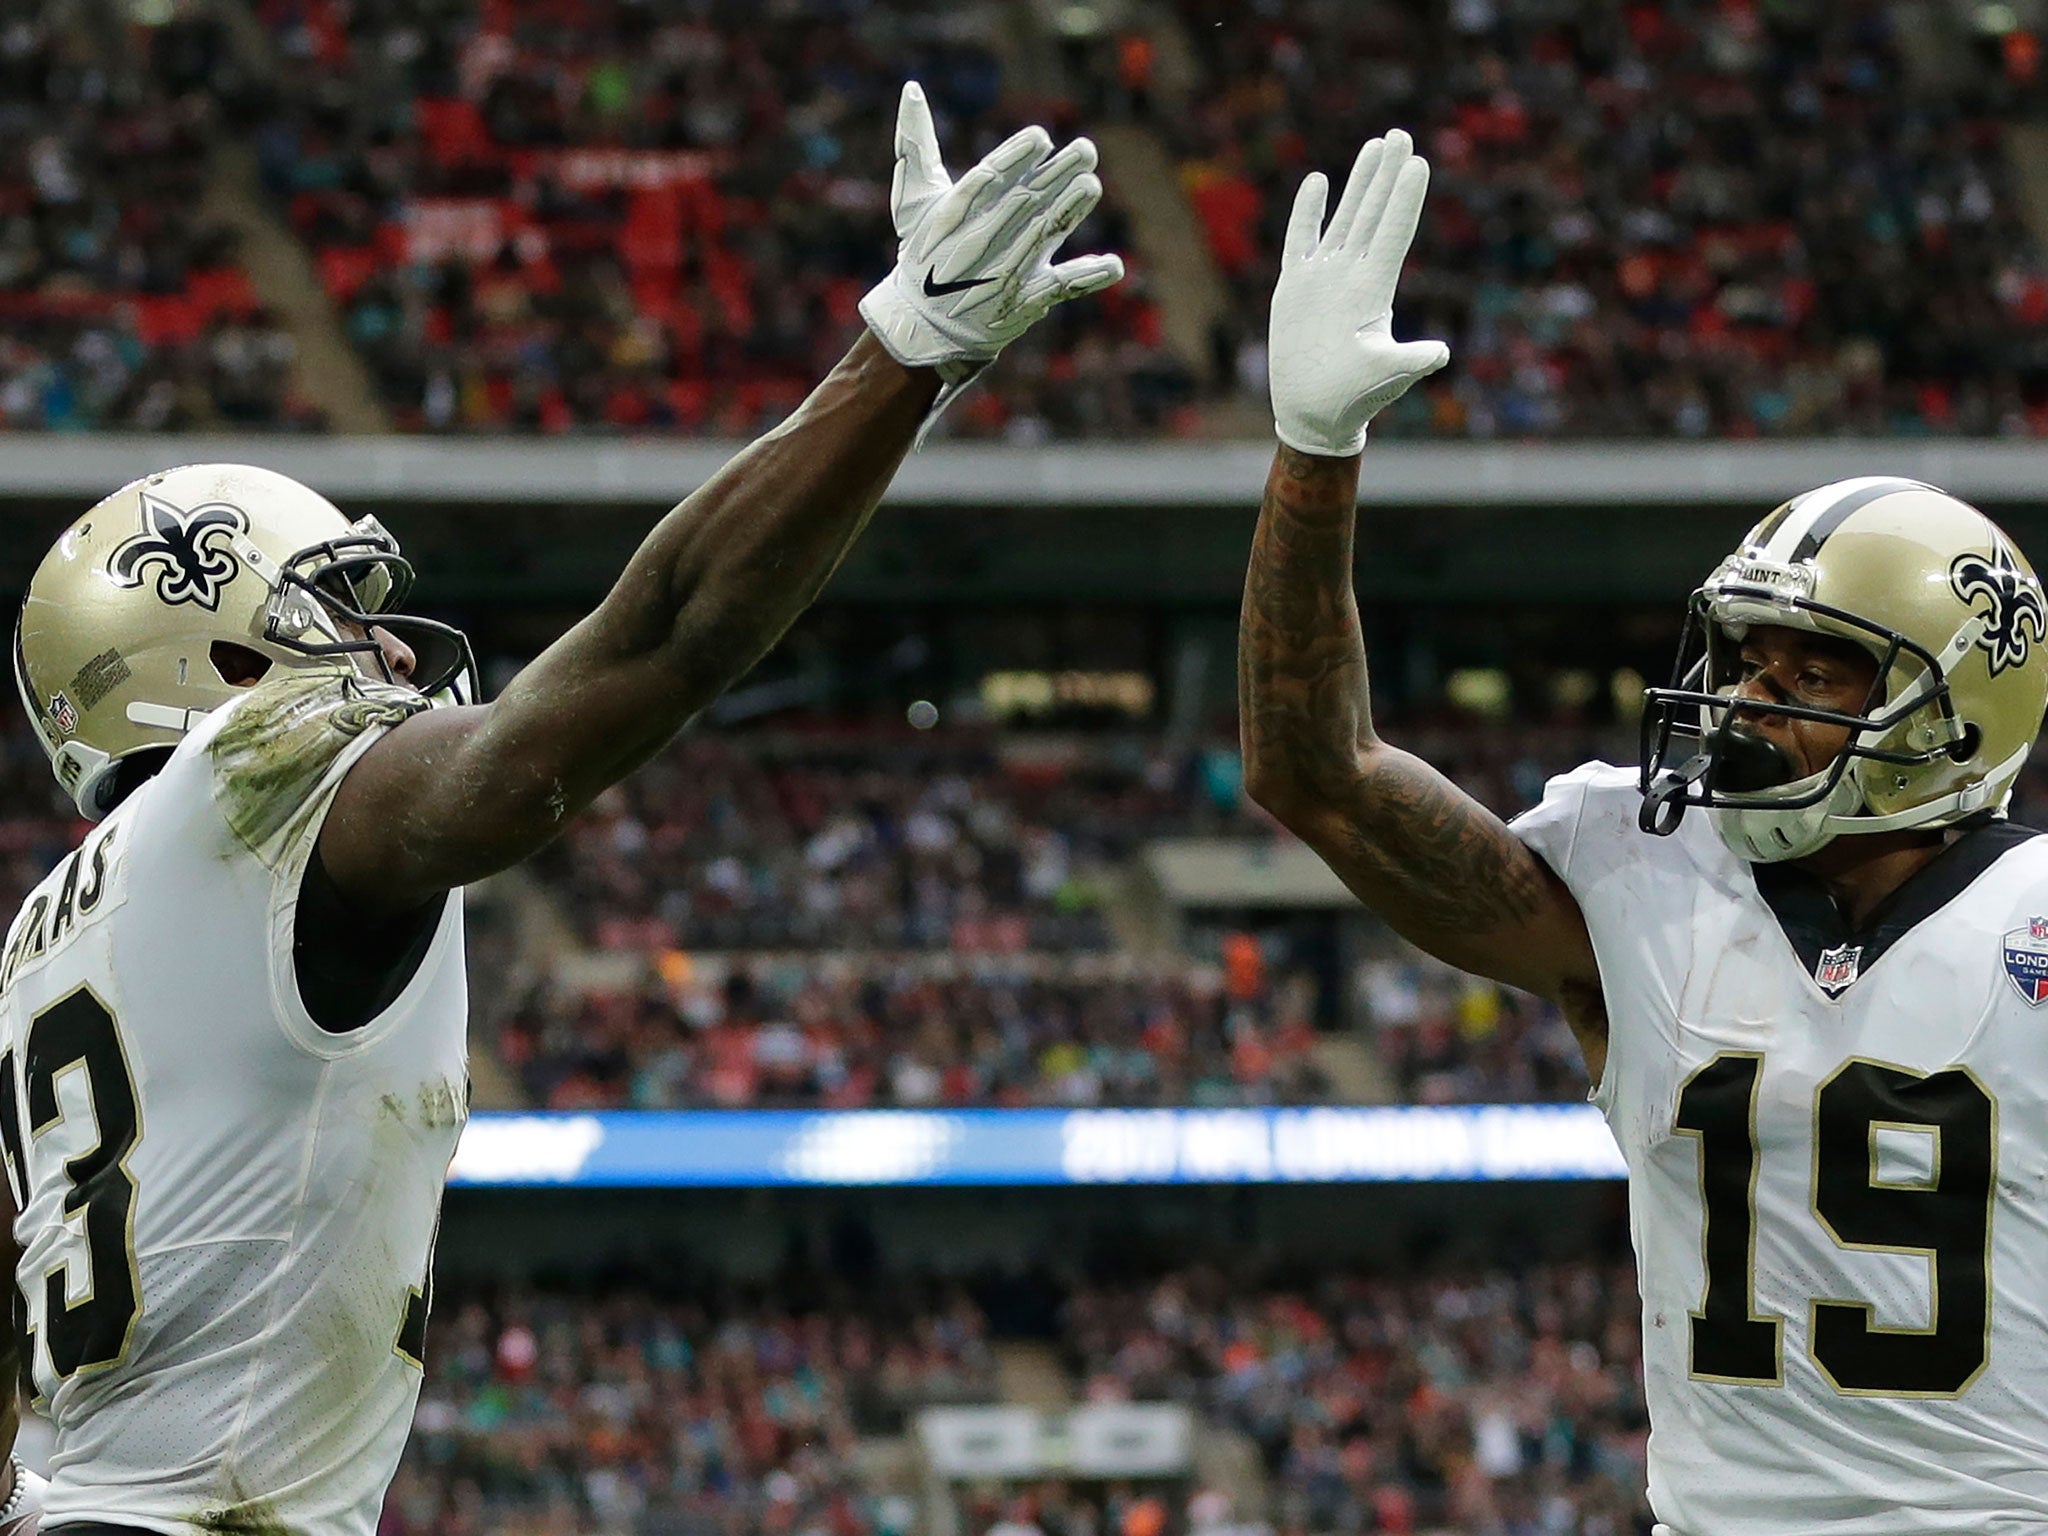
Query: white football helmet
[(1936, 593), (116, 652)]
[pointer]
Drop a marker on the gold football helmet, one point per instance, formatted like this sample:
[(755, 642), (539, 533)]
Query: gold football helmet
[(1929, 586), (118, 651)]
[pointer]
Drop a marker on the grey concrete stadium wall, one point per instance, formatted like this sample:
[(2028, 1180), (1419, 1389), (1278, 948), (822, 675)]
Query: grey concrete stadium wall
[(550, 523)]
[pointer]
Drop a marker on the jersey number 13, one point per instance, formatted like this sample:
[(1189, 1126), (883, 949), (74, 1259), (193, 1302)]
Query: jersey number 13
[(1945, 1218), (88, 1331)]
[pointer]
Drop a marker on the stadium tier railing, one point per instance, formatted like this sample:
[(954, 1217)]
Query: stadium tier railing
[(573, 471)]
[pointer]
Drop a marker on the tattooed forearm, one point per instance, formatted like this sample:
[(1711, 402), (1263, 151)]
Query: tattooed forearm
[(1407, 840), (1431, 860), (1302, 700)]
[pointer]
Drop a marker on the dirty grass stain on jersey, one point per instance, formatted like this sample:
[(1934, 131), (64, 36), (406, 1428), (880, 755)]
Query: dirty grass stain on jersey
[(276, 747)]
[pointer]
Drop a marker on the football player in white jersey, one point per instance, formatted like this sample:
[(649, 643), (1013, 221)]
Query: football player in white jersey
[(232, 1064), (1805, 955)]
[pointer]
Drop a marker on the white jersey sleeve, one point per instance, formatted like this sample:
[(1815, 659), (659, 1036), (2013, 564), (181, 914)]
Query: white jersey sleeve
[(276, 760), (1836, 1173), (227, 1212), (1585, 829)]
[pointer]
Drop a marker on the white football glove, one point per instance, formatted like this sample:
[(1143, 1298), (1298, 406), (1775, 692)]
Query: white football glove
[(973, 268), (1332, 356)]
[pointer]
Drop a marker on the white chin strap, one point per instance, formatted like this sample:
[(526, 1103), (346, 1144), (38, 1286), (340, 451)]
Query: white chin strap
[(1771, 837)]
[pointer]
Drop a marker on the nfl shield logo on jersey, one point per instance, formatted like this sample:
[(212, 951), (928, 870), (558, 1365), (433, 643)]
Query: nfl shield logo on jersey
[(2026, 959), (1837, 968)]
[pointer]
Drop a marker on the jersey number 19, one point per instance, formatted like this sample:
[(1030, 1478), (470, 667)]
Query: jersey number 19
[(1945, 1218)]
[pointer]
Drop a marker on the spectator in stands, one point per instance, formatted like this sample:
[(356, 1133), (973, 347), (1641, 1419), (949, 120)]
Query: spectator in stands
[(622, 1410), (1491, 1404), (656, 218), (121, 301)]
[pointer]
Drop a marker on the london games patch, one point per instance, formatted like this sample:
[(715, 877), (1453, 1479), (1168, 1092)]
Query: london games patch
[(2026, 960)]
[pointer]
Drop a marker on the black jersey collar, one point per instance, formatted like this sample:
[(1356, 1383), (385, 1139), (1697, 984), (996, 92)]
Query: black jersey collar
[(1836, 955)]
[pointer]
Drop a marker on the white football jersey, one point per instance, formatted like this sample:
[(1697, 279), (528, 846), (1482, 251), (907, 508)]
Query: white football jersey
[(226, 1213), (1838, 1173)]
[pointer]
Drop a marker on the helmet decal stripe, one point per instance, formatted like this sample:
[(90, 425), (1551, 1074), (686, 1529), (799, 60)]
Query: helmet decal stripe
[(1779, 534), (1768, 528), (1826, 516)]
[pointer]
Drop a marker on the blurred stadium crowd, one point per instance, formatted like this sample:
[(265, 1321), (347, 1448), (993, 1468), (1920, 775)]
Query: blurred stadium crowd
[(627, 1412), (124, 303), (1700, 218), (1694, 219), (863, 918), (1492, 1403)]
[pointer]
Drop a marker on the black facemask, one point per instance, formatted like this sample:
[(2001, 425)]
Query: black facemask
[(359, 579), (1696, 753)]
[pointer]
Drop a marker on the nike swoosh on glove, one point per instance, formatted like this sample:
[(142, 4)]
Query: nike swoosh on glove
[(1331, 351), (973, 263)]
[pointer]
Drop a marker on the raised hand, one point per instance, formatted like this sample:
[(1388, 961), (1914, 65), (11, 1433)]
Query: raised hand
[(973, 268), (1333, 359)]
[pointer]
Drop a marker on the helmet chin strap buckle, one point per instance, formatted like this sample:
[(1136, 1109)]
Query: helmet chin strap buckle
[(1664, 802), (1741, 762)]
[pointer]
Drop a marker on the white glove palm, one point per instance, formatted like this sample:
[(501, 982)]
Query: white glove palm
[(973, 267), (1331, 351)]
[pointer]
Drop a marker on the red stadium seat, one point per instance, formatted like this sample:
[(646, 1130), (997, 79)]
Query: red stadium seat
[(222, 290), (344, 270), (168, 320), (452, 129)]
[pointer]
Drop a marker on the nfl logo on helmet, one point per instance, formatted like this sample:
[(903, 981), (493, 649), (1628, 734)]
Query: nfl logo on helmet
[(63, 714), (2026, 960)]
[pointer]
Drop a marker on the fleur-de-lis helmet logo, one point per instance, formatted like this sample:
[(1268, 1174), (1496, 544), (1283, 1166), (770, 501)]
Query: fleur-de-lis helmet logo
[(2018, 620), (187, 550)]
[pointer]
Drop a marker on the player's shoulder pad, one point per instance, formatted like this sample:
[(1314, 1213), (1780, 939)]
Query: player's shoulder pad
[(278, 744), (1584, 820), (2015, 884)]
